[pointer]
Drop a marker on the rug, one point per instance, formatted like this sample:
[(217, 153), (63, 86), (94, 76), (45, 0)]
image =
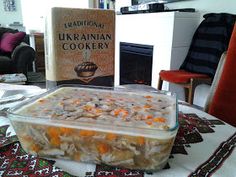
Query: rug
[(36, 77)]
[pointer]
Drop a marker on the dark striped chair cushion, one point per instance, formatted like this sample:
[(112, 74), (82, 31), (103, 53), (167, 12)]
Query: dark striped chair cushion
[(210, 40)]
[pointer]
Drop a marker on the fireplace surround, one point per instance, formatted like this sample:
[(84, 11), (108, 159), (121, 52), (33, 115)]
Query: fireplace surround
[(169, 34), (135, 63)]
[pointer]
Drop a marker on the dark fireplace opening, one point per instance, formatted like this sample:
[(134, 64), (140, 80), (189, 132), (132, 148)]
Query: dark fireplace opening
[(135, 63)]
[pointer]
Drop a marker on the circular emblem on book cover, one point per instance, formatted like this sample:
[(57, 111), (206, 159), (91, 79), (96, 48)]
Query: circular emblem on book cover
[(86, 68)]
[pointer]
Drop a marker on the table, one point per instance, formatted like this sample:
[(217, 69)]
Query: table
[(204, 146)]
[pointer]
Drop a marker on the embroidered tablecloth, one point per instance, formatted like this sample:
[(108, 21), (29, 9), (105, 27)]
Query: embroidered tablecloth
[(204, 146)]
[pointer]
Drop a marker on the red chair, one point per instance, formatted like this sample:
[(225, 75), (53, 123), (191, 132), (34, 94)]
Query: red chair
[(188, 80), (223, 103), (210, 40)]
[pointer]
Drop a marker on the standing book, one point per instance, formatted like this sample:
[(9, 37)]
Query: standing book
[(80, 47)]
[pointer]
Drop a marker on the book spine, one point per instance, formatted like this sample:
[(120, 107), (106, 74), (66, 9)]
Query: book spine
[(49, 47)]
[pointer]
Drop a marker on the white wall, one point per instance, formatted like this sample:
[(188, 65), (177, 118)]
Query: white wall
[(206, 6), (33, 12), (203, 6), (10, 17), (122, 3)]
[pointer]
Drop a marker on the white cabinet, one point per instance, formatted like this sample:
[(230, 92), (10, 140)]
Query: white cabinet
[(170, 33)]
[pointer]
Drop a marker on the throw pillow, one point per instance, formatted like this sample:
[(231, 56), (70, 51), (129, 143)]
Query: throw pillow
[(5, 30), (10, 40)]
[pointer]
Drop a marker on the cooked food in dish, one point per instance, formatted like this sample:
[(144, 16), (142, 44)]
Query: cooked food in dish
[(134, 130)]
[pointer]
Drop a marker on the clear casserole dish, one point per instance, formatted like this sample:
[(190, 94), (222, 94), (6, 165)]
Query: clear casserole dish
[(118, 127)]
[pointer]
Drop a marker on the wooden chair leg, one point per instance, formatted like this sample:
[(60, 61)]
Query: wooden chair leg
[(193, 85), (186, 94), (160, 82), (190, 95)]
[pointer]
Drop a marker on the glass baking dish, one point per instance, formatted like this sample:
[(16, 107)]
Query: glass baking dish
[(119, 127)]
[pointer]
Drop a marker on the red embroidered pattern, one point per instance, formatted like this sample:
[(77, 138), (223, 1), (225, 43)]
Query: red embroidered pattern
[(217, 159), (15, 162)]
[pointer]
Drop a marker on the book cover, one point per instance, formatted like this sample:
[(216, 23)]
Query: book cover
[(80, 46)]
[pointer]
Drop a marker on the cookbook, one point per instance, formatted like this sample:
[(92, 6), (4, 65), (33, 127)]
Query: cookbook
[(79, 47)]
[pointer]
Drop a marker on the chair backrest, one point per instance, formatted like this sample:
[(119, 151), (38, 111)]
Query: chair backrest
[(209, 41), (223, 104), (215, 81)]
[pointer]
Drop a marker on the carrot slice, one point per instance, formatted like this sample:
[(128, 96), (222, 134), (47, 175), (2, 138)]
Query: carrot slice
[(149, 116), (87, 108), (97, 111), (124, 112), (148, 96), (35, 148), (147, 106), (116, 112), (141, 140), (86, 133), (102, 148), (65, 130), (53, 132), (148, 122), (111, 136), (55, 141), (159, 119)]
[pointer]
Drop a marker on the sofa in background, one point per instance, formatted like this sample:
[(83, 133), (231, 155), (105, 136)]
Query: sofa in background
[(16, 55)]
